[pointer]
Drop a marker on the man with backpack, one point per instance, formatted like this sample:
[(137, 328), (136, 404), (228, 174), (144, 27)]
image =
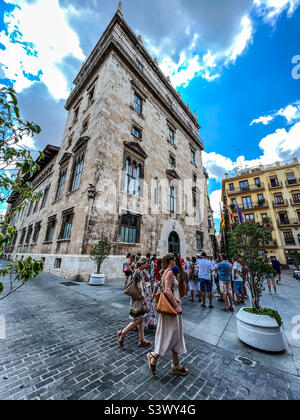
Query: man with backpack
[(194, 282)]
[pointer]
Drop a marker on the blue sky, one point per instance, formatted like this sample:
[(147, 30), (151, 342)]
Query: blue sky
[(231, 61)]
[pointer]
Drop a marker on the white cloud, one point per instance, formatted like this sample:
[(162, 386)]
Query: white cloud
[(291, 113), (43, 26), (215, 199), (241, 40), (271, 9)]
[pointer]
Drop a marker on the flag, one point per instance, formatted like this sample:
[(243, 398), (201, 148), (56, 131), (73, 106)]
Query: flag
[(231, 217), (241, 218), (222, 220)]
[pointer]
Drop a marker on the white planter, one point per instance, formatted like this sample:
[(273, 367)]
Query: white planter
[(97, 279), (260, 331)]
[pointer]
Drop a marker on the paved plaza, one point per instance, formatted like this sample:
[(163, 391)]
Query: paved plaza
[(61, 343)]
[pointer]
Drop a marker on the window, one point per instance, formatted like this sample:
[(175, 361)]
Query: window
[(57, 263), (296, 197), (36, 232), (290, 177), (244, 185), (194, 177), (70, 140), (132, 178), (172, 199), (77, 171), (274, 181), (231, 187), (76, 112), (264, 216), (193, 157), (30, 208), (233, 201), (85, 125), (45, 196), (91, 95), (284, 218), (129, 229), (260, 197), (50, 229), (210, 223), (249, 217), (171, 136), (298, 214), (138, 102), (61, 183), (278, 199), (22, 236), (36, 206), (155, 190), (247, 203), (288, 237), (140, 65), (257, 182), (28, 236), (66, 226), (199, 240), (172, 159), (136, 132)]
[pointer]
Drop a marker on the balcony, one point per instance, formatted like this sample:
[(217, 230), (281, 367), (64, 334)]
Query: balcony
[(276, 184), (250, 188), (292, 182), (288, 222), (295, 202), (253, 206), (289, 241), (283, 203), (272, 244)]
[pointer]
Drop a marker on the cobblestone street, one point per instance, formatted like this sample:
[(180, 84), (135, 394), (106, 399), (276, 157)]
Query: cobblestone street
[(61, 343)]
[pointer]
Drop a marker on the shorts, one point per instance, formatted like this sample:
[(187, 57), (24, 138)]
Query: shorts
[(238, 287), (225, 286), (205, 284), (194, 285), (128, 273)]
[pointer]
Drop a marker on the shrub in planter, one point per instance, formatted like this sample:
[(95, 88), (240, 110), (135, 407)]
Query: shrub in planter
[(248, 242), (99, 254)]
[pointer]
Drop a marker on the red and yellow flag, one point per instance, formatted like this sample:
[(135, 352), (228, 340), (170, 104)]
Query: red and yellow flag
[(222, 220)]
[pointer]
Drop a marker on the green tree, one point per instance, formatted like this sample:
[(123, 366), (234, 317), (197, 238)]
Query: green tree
[(16, 165), (100, 252), (248, 242)]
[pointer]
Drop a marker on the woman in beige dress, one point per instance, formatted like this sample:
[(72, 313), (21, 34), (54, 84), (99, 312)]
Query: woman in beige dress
[(169, 333)]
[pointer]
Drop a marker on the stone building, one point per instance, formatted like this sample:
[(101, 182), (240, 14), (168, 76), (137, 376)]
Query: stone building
[(129, 168)]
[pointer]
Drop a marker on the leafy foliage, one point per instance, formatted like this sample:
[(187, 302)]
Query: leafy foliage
[(266, 311), (248, 242), (19, 274), (100, 252), (16, 166)]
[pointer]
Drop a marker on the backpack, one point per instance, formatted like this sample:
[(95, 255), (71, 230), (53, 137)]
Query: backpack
[(195, 270)]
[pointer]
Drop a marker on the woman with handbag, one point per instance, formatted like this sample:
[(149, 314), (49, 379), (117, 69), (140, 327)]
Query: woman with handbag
[(137, 306), (169, 332)]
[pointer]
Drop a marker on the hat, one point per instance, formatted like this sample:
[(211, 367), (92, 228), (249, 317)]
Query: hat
[(141, 262)]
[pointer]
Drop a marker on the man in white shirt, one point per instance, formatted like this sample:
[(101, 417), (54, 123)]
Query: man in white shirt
[(204, 275), (238, 282)]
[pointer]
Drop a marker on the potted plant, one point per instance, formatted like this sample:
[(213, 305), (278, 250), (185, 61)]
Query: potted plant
[(98, 254), (256, 326), (261, 202)]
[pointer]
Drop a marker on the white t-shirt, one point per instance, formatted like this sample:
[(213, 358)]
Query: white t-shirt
[(237, 266), (204, 269), (213, 265)]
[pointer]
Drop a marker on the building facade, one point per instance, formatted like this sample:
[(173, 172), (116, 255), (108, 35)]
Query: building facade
[(269, 195), (129, 168)]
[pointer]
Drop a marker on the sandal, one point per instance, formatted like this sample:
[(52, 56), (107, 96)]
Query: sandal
[(121, 340), (144, 343), (151, 366), (182, 371)]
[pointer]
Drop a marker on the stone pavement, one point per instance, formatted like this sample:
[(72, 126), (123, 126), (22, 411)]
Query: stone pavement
[(61, 343)]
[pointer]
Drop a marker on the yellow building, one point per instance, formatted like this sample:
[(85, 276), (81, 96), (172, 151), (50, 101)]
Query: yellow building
[(270, 191)]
